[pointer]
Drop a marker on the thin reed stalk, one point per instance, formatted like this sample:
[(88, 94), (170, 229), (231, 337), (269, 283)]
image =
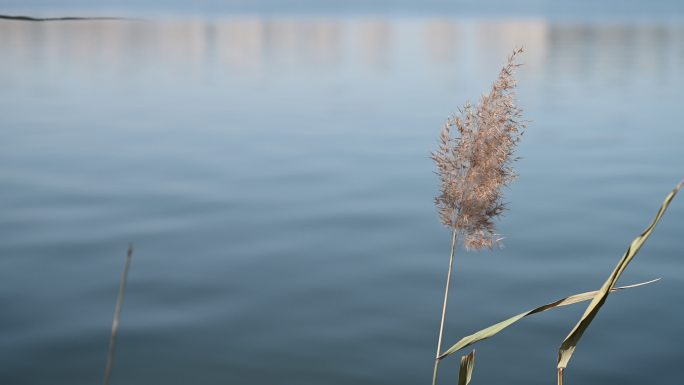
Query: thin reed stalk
[(473, 166), (560, 376), (444, 308), (117, 314)]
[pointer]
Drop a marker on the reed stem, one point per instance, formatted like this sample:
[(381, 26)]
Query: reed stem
[(444, 307), (560, 376), (117, 314)]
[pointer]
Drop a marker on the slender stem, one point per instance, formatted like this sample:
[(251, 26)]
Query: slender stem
[(117, 314), (560, 376), (444, 308), (434, 373)]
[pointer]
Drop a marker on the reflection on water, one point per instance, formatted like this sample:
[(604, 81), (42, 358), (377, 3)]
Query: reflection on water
[(566, 49), (274, 175), (650, 50), (375, 40)]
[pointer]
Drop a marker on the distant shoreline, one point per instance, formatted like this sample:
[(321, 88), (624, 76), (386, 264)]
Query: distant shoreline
[(68, 18)]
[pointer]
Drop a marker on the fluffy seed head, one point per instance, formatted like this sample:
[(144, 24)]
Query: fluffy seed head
[(475, 162)]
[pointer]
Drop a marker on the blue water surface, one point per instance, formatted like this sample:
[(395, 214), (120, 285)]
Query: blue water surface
[(273, 173)]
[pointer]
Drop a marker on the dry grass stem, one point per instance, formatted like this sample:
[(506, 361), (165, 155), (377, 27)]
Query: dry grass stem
[(444, 308), (117, 314)]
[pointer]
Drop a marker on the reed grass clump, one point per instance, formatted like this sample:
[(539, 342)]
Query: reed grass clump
[(473, 168), (474, 162)]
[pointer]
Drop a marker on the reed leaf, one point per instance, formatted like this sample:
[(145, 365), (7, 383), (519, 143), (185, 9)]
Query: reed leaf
[(570, 343), (496, 328), (466, 371)]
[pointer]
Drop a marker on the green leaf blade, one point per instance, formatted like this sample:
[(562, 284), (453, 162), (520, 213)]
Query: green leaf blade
[(498, 327), (465, 373), (568, 346)]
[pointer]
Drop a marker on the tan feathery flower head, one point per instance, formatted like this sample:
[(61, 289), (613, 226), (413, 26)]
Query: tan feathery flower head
[(476, 164)]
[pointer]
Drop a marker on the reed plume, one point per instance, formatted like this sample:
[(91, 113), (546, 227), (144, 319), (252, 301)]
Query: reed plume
[(473, 167)]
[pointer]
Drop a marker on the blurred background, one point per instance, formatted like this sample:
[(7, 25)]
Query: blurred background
[(270, 162)]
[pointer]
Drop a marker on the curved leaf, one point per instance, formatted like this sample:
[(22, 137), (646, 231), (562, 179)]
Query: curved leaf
[(570, 342), (496, 328), (466, 371)]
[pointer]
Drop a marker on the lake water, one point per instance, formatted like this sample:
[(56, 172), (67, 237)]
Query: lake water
[(273, 173)]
